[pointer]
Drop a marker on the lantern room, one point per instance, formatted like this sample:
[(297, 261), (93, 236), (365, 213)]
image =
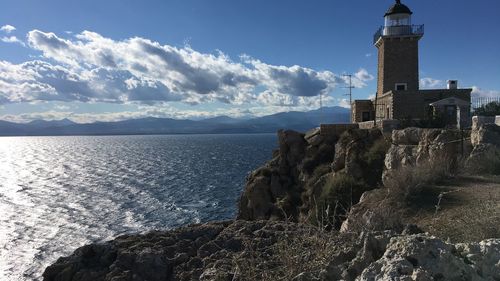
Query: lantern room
[(397, 20)]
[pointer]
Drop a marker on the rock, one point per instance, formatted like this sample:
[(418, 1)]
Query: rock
[(312, 133), (170, 255), (179, 255), (429, 258), (315, 140), (414, 147), (275, 190), (409, 136), (486, 133), (292, 146), (257, 201), (478, 121), (374, 212)]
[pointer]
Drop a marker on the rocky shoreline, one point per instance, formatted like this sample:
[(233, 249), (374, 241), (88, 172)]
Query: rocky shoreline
[(218, 251), (324, 208)]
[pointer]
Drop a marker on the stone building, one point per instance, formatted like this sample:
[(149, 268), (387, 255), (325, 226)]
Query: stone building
[(398, 93)]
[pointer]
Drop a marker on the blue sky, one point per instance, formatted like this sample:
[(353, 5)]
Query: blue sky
[(110, 60)]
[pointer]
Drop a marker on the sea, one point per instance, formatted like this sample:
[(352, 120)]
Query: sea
[(60, 193)]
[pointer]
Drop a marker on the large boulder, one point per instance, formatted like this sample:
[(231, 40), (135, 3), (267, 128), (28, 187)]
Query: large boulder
[(351, 152), (486, 133), (422, 257), (414, 147), (485, 137)]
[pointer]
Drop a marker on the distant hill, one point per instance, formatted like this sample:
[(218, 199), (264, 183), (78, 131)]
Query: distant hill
[(294, 120)]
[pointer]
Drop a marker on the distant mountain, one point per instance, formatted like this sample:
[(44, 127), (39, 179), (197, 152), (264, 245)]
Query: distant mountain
[(300, 121), (222, 120), (55, 123)]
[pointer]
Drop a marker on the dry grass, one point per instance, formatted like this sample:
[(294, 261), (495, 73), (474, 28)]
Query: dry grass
[(488, 164), (408, 181), (294, 253), (464, 210), (339, 194)]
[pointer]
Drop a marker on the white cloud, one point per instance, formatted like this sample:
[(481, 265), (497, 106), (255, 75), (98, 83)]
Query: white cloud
[(12, 39), (7, 28), (359, 78), (195, 76), (368, 55), (88, 67), (478, 92), (429, 83), (344, 103), (363, 75)]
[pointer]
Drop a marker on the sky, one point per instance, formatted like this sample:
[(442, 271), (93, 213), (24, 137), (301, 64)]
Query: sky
[(98, 60)]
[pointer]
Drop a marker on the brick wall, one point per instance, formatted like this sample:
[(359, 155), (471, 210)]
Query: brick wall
[(397, 63)]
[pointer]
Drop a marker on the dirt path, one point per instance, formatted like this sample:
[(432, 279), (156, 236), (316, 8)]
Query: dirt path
[(465, 209)]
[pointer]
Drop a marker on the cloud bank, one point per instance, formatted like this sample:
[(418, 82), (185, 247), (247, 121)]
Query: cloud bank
[(88, 67)]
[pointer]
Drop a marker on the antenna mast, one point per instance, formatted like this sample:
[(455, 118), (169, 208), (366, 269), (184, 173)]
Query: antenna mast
[(350, 92)]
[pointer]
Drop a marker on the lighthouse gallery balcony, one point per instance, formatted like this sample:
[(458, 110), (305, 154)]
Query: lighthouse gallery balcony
[(399, 30)]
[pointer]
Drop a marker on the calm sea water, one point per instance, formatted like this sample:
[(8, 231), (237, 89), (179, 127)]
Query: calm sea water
[(59, 193)]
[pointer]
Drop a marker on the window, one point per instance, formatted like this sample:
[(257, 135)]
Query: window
[(365, 116), (401, 87)]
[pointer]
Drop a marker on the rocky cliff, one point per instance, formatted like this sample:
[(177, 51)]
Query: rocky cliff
[(370, 187), (293, 184)]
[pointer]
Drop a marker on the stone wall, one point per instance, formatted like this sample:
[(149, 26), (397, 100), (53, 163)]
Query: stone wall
[(360, 106), (384, 106), (335, 130), (415, 104), (387, 126)]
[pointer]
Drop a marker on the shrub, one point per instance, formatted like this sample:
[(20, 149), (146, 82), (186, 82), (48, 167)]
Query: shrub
[(339, 194), (490, 109), (325, 154), (373, 161), (409, 180)]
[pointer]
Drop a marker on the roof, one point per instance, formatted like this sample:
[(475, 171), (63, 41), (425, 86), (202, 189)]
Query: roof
[(450, 101), (398, 8)]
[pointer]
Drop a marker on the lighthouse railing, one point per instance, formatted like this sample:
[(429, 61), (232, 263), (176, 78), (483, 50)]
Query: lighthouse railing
[(398, 30)]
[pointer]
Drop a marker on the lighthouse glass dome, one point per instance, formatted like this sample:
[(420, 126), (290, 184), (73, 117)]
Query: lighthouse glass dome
[(397, 20), (397, 24)]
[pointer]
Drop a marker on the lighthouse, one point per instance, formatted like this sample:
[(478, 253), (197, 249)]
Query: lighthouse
[(398, 95), (397, 43)]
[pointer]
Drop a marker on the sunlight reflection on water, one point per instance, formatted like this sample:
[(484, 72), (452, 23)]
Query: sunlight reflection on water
[(59, 193)]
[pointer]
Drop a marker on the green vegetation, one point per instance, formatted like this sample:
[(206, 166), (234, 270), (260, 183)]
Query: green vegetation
[(490, 109), (373, 161), (339, 194), (325, 154)]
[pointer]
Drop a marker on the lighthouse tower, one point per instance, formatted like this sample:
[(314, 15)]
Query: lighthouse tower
[(398, 94), (397, 43)]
